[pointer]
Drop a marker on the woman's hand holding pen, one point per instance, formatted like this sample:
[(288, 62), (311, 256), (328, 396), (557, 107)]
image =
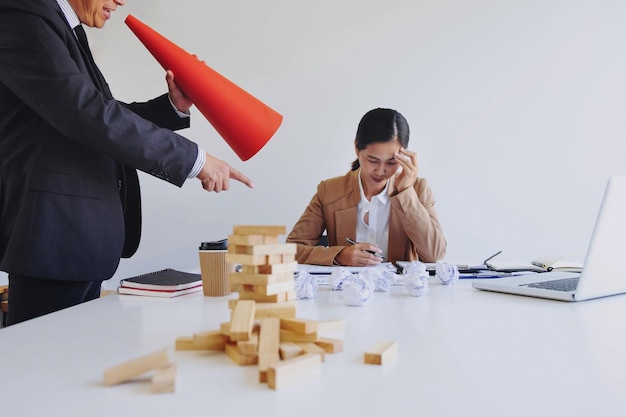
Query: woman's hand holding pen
[(407, 176), (359, 254)]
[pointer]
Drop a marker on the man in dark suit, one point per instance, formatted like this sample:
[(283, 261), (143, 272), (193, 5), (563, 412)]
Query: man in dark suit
[(69, 193)]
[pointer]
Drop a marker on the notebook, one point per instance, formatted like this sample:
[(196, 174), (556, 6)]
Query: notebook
[(166, 283), (604, 270)]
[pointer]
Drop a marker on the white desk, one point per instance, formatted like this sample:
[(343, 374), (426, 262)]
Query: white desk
[(462, 352)]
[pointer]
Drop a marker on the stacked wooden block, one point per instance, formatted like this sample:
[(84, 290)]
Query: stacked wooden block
[(264, 329), (267, 267)]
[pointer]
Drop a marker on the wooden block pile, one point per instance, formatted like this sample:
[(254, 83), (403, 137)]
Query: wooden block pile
[(163, 379), (264, 329)]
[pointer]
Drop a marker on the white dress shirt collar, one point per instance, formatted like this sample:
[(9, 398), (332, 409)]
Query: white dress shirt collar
[(383, 196), (69, 13)]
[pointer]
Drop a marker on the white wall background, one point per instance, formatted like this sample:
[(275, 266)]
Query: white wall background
[(516, 110)]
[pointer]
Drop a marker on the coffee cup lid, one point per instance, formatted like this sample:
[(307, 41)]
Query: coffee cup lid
[(215, 245)]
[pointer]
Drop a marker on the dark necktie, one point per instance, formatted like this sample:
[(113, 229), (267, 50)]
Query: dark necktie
[(82, 39), (91, 64)]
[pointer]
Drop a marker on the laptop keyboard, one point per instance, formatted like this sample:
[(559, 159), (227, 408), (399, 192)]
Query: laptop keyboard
[(566, 284)]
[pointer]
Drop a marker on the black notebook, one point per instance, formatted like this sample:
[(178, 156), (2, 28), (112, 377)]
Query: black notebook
[(164, 280), (158, 293)]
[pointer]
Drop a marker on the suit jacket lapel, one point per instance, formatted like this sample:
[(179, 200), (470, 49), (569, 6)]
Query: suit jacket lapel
[(345, 219), (128, 181), (345, 225)]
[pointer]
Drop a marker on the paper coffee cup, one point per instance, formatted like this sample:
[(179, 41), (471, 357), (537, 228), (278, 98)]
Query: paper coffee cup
[(214, 269)]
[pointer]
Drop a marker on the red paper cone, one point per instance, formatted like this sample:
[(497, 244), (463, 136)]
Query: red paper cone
[(241, 119)]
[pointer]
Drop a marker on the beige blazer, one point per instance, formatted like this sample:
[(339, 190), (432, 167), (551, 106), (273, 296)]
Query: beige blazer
[(414, 230)]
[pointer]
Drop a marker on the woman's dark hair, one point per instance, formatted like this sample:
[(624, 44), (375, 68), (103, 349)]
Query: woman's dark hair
[(380, 125)]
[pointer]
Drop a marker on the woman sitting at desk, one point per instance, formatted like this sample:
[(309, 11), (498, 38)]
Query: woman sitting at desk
[(380, 205)]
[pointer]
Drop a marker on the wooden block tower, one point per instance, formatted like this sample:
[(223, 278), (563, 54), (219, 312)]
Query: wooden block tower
[(263, 329), (267, 267), (265, 284)]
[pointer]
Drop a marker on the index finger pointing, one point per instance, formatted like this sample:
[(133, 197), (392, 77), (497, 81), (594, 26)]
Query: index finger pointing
[(238, 176)]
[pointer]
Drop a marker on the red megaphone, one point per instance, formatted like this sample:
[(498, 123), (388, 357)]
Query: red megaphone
[(241, 119)]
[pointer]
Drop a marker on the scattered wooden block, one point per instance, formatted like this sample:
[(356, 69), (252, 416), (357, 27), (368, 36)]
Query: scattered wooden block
[(301, 326), (164, 379), (211, 340), (185, 343), (104, 292), (312, 348), (381, 353), (242, 320), (330, 345), (135, 367), (241, 360), (289, 350), (292, 371), (289, 336), (259, 230), (199, 341), (249, 347), (225, 326), (269, 341)]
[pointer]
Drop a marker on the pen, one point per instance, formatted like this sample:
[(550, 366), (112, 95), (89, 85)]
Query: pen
[(354, 242), (483, 275)]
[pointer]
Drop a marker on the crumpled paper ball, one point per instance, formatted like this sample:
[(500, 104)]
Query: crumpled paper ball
[(415, 278), (357, 290), (382, 279), (338, 277), (447, 273), (305, 285)]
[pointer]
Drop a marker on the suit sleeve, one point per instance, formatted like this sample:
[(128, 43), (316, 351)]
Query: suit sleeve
[(38, 64), (415, 206), (160, 112)]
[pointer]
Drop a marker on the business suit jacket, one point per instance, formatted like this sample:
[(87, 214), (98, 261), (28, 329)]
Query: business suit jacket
[(68, 152), (414, 230)]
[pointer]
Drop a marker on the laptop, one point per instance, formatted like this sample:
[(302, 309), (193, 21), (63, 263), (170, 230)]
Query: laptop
[(604, 268)]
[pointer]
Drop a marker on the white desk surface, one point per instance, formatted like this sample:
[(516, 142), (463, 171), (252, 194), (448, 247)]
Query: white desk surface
[(462, 352)]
